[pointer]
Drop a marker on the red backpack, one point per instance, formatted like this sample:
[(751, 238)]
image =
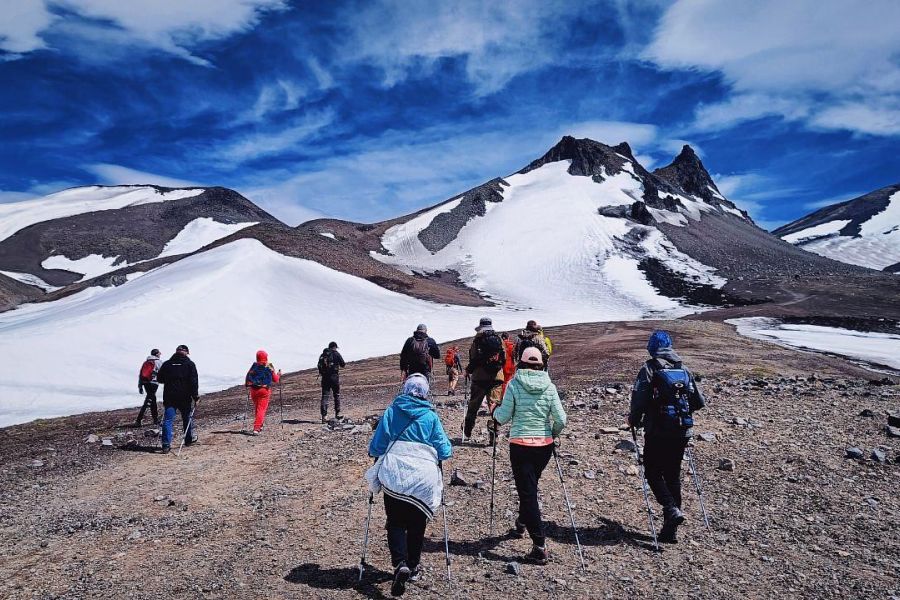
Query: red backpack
[(450, 358), (147, 370)]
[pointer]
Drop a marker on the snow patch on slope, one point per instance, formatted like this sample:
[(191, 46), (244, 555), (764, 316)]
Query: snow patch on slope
[(870, 347), (18, 215), (818, 231), (29, 279), (199, 233), (89, 266)]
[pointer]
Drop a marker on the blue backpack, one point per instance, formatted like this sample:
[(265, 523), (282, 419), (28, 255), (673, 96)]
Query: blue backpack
[(671, 390), (259, 376)]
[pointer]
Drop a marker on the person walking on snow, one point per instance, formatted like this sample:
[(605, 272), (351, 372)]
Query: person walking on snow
[(147, 383), (454, 368), (663, 399), (485, 368), (532, 337), (410, 445), (259, 379), (330, 364), (419, 353), (532, 404), (509, 366), (178, 375)]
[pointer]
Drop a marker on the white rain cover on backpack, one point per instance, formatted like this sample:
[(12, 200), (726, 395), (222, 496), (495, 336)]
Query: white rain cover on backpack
[(408, 471)]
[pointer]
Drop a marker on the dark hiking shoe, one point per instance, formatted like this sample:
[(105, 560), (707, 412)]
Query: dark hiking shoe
[(416, 573), (166, 449), (192, 441), (519, 529), (401, 576), (324, 419), (667, 533), (467, 433), (674, 515), (538, 555), (339, 418)]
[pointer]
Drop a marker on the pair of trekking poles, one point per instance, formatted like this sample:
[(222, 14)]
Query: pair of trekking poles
[(562, 483), (698, 486), (280, 406), (365, 548)]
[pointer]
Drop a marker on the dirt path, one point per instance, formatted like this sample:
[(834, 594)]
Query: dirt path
[(281, 515)]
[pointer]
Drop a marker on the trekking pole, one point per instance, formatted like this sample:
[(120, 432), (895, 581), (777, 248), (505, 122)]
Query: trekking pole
[(187, 430), (640, 461), (569, 507), (698, 485), (446, 533), (362, 560), (493, 478), (281, 406), (246, 411)]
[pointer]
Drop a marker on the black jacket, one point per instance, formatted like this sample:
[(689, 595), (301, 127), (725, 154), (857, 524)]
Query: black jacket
[(410, 362), (179, 376), (337, 363)]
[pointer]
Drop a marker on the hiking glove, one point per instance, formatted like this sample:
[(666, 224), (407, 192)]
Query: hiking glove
[(140, 388)]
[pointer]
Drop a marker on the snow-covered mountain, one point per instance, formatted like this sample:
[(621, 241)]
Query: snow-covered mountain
[(84, 232), (584, 233), (864, 231)]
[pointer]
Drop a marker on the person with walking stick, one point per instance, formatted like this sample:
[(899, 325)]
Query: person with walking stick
[(178, 375), (664, 397), (410, 445), (533, 407)]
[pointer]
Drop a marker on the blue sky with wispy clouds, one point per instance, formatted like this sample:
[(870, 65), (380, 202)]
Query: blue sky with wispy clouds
[(371, 109)]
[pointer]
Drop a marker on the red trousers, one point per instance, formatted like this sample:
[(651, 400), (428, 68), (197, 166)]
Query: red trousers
[(260, 397)]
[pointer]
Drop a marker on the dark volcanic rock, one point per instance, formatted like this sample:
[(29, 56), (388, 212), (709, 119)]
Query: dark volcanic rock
[(444, 228), (857, 211)]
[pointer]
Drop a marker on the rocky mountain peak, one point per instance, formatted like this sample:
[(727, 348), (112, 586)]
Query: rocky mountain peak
[(588, 157), (688, 173)]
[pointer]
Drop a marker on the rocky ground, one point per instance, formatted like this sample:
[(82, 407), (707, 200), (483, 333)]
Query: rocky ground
[(281, 515)]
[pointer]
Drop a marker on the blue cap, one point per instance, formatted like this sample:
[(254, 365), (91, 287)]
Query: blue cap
[(658, 339)]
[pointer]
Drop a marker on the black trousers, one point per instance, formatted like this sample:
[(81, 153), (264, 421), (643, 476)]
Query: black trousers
[(528, 462), (481, 390), (405, 531), (149, 401), (333, 386), (662, 465)]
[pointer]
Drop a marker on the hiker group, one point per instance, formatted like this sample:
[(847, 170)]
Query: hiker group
[(507, 381), (513, 380)]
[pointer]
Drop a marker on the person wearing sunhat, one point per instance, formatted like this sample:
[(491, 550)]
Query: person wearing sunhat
[(485, 368)]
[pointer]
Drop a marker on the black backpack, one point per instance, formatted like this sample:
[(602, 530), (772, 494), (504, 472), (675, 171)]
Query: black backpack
[(326, 362), (421, 353), (671, 404), (489, 351)]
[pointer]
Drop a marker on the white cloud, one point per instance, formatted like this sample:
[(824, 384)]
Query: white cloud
[(266, 143), (498, 40), (830, 63), (20, 22), (638, 135), (172, 27), (110, 174), (751, 191)]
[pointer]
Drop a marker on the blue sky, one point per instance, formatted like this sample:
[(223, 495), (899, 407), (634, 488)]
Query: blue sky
[(367, 110)]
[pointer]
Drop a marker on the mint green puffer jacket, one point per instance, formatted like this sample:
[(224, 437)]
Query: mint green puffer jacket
[(532, 404)]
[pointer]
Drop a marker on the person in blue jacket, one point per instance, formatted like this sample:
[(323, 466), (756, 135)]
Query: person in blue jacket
[(410, 445)]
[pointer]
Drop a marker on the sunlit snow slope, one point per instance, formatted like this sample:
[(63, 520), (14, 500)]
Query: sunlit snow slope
[(545, 247)]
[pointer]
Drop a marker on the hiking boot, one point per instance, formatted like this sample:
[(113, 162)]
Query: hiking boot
[(519, 529), (673, 517), (401, 576), (192, 441), (492, 438), (537, 555), (255, 432), (338, 417), (467, 433), (324, 420), (166, 449), (416, 573)]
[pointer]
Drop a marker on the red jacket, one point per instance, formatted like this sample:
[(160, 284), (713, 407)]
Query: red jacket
[(509, 367)]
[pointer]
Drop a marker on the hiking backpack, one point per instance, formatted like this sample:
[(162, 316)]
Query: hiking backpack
[(670, 390), (421, 353), (489, 351), (259, 376), (147, 370), (326, 360), (450, 358)]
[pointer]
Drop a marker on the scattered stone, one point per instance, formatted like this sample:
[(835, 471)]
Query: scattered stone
[(726, 464), (893, 431), (609, 430), (37, 463), (611, 391), (739, 421), (106, 442), (878, 455), (578, 404), (364, 428), (626, 445), (590, 474), (707, 436), (867, 413), (152, 433), (92, 439), (632, 470), (456, 479), (479, 485), (894, 418), (513, 568), (574, 462), (854, 453), (159, 498), (135, 535)]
